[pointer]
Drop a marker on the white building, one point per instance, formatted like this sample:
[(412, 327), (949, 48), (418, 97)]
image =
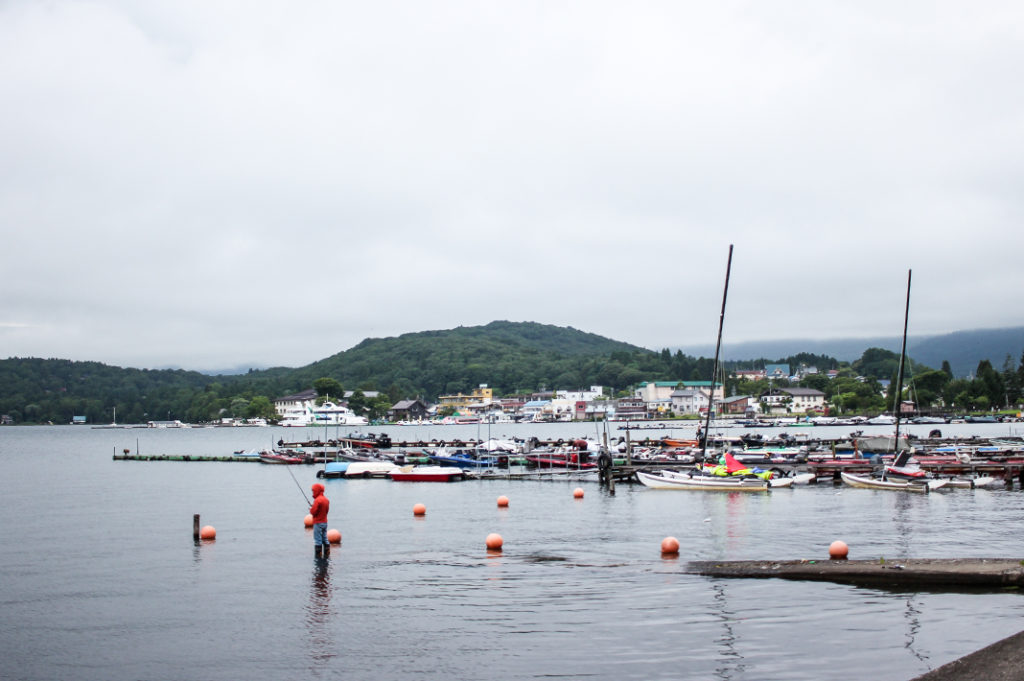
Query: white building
[(593, 393), (794, 400), (655, 391), (689, 401)]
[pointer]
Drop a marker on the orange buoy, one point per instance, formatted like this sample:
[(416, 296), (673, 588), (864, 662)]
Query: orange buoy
[(838, 550), (494, 541), (208, 532), (419, 509), (309, 520), (334, 536), (669, 546), (578, 493), (502, 501)]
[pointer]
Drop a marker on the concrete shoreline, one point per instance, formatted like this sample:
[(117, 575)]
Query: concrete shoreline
[(1000, 661), (900, 573)]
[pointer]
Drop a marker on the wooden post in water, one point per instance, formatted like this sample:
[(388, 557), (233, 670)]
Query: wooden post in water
[(629, 450), (195, 527)]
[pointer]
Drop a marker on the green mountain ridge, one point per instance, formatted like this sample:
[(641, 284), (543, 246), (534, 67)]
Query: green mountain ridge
[(511, 357)]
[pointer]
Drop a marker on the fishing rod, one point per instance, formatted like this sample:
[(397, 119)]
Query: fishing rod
[(298, 485)]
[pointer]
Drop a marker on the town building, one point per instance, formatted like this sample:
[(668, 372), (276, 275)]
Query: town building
[(688, 401), (408, 410), (479, 397), (630, 408), (793, 400), (738, 404), (295, 404), (654, 391)]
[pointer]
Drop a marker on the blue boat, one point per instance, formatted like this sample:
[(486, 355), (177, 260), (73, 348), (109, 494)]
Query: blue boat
[(465, 458), (333, 469)]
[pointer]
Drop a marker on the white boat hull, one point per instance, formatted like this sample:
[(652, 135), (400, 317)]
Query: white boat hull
[(683, 481), (868, 482)]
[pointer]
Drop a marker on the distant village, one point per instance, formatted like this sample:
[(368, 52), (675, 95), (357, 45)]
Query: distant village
[(649, 400)]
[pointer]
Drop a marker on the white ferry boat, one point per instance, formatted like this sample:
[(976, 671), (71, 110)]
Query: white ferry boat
[(326, 414)]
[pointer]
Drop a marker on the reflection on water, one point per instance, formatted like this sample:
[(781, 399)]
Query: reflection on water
[(912, 615), (730, 662), (318, 615)]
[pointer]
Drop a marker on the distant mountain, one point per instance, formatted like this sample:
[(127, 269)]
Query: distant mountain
[(962, 349)]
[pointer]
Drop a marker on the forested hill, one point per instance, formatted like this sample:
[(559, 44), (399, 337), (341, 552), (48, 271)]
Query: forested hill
[(507, 356), (510, 357)]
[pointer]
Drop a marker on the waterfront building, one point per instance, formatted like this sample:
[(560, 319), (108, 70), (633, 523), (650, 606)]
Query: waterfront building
[(408, 410), (689, 401), (794, 400), (654, 391), (480, 397)]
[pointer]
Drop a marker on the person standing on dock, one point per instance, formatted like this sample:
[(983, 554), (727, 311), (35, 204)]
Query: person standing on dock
[(321, 504)]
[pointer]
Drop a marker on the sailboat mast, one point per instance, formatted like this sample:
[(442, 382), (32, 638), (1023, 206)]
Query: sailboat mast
[(718, 348), (898, 398)]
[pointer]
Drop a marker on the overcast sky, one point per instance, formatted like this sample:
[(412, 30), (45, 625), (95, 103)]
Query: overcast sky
[(212, 184)]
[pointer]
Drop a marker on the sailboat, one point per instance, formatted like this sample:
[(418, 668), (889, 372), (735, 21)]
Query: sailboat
[(908, 483), (730, 476)]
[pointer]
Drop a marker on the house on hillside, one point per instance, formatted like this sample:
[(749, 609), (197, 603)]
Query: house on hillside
[(408, 410), (775, 372)]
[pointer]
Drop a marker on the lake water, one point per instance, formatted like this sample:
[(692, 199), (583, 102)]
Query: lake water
[(101, 578)]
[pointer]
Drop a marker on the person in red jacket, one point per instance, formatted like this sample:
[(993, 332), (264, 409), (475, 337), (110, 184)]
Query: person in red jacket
[(318, 510)]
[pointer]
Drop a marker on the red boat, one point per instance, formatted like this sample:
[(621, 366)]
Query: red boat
[(428, 474), (556, 461), (275, 457)]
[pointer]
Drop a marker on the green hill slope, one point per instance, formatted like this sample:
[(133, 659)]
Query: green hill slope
[(508, 356)]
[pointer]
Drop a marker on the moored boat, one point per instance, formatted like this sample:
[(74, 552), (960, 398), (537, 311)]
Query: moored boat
[(883, 483), (697, 480), (557, 460), (333, 469), (369, 469), (427, 474), (279, 457), (465, 457)]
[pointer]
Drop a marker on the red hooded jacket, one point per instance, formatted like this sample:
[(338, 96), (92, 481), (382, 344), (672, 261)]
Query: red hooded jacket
[(320, 506)]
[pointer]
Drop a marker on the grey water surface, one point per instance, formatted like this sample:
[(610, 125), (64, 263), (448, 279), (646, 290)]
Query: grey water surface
[(100, 577)]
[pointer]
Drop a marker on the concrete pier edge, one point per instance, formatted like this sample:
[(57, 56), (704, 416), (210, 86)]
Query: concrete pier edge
[(947, 574), (1000, 661)]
